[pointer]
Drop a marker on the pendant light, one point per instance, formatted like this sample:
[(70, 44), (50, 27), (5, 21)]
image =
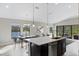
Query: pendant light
[(47, 14), (33, 16)]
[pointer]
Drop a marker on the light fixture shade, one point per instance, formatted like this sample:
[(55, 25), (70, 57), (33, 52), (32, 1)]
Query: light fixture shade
[(47, 14), (33, 16), (33, 25)]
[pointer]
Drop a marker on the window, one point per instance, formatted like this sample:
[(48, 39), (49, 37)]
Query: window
[(51, 30), (75, 29), (15, 31), (26, 29), (67, 30), (59, 30)]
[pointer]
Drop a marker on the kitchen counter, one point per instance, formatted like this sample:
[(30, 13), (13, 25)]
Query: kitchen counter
[(40, 46), (42, 40)]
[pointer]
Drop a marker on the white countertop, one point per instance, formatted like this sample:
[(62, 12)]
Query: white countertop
[(42, 40)]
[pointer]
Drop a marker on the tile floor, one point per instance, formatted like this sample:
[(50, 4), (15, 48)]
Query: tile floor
[(12, 50), (72, 49)]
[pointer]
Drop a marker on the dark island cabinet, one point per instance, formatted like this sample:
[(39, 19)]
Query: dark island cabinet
[(61, 47), (36, 50)]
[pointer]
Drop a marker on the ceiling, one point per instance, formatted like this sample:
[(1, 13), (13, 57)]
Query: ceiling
[(24, 11)]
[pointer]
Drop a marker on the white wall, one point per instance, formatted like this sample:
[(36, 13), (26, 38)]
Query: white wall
[(5, 33)]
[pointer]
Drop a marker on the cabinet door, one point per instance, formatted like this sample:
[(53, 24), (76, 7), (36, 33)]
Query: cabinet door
[(61, 47), (38, 50)]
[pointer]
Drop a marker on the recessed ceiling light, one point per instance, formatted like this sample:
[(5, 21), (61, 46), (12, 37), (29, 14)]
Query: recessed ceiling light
[(69, 6), (7, 6)]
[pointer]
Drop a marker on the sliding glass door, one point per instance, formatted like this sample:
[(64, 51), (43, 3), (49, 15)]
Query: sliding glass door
[(75, 30), (59, 30), (69, 30)]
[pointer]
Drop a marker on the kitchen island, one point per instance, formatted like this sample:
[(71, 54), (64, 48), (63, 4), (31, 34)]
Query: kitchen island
[(40, 46)]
